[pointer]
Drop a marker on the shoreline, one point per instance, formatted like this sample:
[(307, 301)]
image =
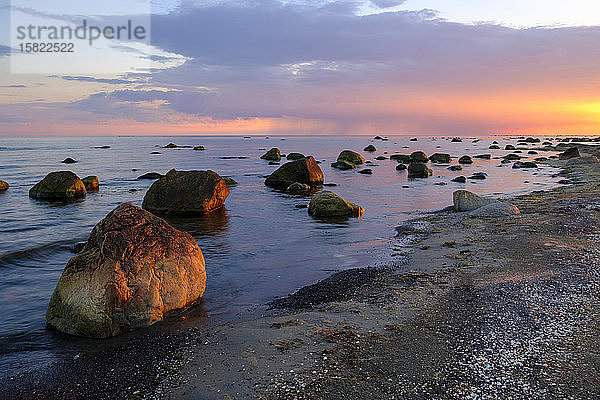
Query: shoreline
[(409, 330)]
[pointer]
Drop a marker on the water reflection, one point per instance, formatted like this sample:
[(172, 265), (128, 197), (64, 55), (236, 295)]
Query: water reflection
[(214, 224)]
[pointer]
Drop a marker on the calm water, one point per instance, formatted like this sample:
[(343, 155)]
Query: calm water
[(261, 246)]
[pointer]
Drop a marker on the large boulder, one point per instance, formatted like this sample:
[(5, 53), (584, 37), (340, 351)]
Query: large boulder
[(440, 158), (328, 204), (3, 186), (186, 193), (59, 185), (351, 157), (305, 170), (570, 153), (418, 170), (468, 201), (133, 269), (272, 155)]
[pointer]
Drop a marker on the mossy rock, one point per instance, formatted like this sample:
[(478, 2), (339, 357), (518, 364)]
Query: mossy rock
[(199, 148), (230, 182), (328, 204), (272, 155), (419, 170), (343, 165), (440, 158), (4, 186), (295, 156), (351, 157), (60, 185), (401, 158), (465, 160), (418, 156), (92, 184)]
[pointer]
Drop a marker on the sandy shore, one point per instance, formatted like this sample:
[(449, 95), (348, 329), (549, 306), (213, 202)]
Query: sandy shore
[(474, 308)]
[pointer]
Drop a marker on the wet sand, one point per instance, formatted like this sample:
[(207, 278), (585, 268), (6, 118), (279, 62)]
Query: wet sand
[(473, 308)]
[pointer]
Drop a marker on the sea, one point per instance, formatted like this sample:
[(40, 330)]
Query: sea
[(261, 246)]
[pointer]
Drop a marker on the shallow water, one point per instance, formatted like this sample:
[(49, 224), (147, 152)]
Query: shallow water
[(260, 247)]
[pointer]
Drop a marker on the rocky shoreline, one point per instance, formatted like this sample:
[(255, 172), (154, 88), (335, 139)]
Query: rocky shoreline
[(475, 308)]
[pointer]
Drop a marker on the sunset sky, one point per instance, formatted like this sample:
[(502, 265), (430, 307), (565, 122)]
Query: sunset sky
[(414, 67)]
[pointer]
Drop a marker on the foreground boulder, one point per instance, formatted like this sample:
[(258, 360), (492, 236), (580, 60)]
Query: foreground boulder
[(419, 170), (468, 201), (305, 170), (272, 155), (60, 185), (92, 184), (570, 153), (133, 269), (3, 186), (186, 193), (351, 157), (328, 204)]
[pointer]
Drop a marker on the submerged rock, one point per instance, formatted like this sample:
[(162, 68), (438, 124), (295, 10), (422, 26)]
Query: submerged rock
[(92, 184), (150, 175), (370, 148), (569, 153), (4, 186), (419, 170), (230, 182), (298, 188), (351, 157), (343, 165), (60, 185), (512, 157), (366, 171), (199, 148), (455, 168), (483, 156), (328, 204), (133, 269), (304, 170), (381, 158), (186, 193), (418, 156), (586, 160), (494, 147), (401, 167), (440, 158), (456, 140), (478, 176), (294, 156), (272, 155), (526, 164)]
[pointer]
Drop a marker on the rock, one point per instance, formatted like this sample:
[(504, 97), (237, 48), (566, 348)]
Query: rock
[(456, 140), (401, 158), (586, 160), (151, 175), (294, 156), (496, 209), (505, 162), (304, 170), (547, 144), (68, 160), (455, 168), (272, 155), (478, 176), (274, 163), (199, 148), (400, 167), (370, 148), (532, 152), (377, 138), (91, 183), (102, 147), (440, 158), (186, 193), (351, 157), (413, 140), (532, 140), (343, 165), (512, 157), (495, 142), (526, 164), (155, 152), (418, 156), (381, 158), (483, 156), (328, 204), (570, 153), (459, 179), (541, 159), (3, 186), (170, 146), (230, 182), (468, 201), (298, 188), (366, 171), (465, 160), (133, 270), (419, 170), (60, 185), (494, 147), (510, 147)]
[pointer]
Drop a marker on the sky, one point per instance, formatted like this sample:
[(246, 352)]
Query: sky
[(413, 67)]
